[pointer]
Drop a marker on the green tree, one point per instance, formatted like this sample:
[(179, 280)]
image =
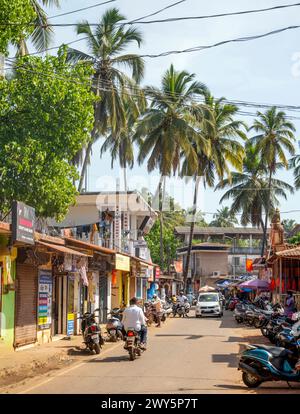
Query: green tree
[(107, 43), (171, 244), (248, 190), (45, 120), (167, 130), (42, 31), (19, 12), (275, 137), (221, 131), (223, 218), (288, 225)]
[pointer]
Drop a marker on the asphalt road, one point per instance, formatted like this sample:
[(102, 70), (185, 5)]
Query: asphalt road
[(184, 356)]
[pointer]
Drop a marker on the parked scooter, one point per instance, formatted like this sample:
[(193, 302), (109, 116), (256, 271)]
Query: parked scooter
[(132, 344), (91, 332), (114, 326), (260, 363)]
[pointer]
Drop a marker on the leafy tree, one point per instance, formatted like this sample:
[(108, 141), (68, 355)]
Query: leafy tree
[(275, 137), (166, 130), (295, 239), (224, 218), (107, 43), (171, 244), (248, 190), (42, 31), (46, 115), (288, 225), (221, 131), (19, 12)]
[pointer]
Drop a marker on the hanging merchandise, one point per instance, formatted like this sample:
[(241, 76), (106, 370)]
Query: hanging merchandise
[(272, 284), (294, 285), (68, 262), (91, 287), (277, 282), (82, 269), (114, 277)]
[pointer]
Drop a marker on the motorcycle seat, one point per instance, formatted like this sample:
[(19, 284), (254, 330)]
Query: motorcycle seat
[(274, 350)]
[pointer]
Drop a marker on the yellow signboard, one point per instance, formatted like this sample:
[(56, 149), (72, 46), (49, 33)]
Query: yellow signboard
[(122, 263)]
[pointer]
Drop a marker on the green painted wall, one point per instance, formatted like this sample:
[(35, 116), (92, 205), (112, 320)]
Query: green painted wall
[(8, 309)]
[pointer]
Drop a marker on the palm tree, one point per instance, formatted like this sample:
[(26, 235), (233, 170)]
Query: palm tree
[(220, 130), (166, 130), (295, 163), (247, 189), (275, 136), (114, 88), (121, 145), (223, 218), (42, 34)]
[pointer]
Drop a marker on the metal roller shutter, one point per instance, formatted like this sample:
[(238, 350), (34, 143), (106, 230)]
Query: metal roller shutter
[(26, 305)]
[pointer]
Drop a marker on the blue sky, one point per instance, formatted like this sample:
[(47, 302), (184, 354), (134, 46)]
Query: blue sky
[(260, 70)]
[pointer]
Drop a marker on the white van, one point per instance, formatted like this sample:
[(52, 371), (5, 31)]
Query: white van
[(209, 304)]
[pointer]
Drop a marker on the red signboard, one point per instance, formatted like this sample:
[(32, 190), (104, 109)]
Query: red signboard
[(157, 272)]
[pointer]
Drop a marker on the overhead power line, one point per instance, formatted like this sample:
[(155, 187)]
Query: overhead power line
[(168, 20), (135, 92), (223, 42), (83, 9)]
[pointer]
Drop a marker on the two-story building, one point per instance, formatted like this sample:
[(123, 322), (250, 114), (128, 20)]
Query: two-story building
[(242, 243)]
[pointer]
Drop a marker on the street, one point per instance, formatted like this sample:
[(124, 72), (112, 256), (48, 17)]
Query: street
[(184, 356)]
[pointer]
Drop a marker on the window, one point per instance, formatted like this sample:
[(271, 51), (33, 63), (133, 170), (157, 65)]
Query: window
[(139, 287), (236, 261)]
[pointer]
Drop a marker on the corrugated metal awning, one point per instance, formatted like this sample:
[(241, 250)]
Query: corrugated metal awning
[(63, 249)]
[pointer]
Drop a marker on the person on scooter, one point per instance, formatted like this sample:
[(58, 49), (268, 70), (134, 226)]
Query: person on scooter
[(133, 317)]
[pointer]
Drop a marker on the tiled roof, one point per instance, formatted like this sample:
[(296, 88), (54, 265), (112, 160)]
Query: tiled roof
[(295, 252)]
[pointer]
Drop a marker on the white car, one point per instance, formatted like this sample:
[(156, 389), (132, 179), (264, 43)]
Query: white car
[(209, 304)]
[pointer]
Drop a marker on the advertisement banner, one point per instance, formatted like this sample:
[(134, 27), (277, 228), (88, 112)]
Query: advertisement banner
[(44, 299), (23, 223), (122, 263), (70, 325)]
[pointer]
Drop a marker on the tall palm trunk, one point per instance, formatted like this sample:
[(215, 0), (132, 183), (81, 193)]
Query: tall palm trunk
[(86, 159), (161, 241), (125, 178), (267, 214), (192, 227)]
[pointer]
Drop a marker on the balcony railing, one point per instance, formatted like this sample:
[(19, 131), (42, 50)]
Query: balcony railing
[(245, 250)]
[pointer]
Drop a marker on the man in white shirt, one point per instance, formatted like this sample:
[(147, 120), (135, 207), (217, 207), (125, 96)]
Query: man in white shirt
[(133, 317), (181, 298)]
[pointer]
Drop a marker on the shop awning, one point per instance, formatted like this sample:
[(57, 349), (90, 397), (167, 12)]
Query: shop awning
[(89, 246), (62, 249)]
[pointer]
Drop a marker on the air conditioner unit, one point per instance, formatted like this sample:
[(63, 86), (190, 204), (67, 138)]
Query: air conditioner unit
[(216, 273)]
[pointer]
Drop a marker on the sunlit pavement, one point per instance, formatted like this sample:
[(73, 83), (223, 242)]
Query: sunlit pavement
[(184, 356)]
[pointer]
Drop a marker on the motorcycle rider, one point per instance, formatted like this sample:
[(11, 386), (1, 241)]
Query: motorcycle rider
[(133, 317), (181, 298)]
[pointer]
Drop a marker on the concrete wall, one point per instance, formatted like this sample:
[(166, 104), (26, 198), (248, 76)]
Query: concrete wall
[(209, 262)]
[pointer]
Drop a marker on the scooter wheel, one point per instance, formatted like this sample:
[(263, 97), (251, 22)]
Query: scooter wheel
[(97, 348), (250, 380), (131, 354)]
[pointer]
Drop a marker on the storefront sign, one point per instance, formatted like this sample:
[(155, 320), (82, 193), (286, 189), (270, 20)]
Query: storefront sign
[(122, 263), (23, 221), (44, 299), (70, 325), (157, 272)]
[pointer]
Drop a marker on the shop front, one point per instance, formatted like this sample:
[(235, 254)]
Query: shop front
[(121, 281), (7, 292)]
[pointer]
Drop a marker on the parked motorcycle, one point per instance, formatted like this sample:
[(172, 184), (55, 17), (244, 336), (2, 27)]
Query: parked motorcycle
[(114, 326), (260, 363), (91, 332), (132, 344)]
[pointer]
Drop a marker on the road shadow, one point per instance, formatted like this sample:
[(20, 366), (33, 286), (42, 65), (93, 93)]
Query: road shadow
[(119, 358), (230, 359), (79, 351)]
